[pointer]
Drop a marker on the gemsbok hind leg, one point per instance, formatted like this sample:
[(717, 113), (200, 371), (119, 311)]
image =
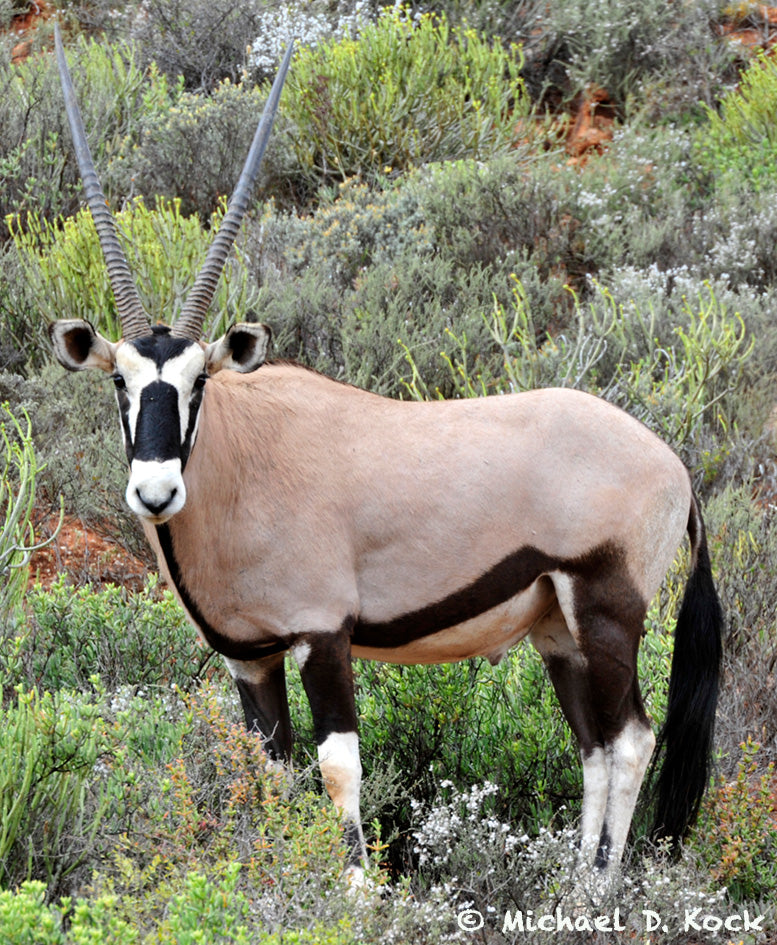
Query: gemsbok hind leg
[(590, 650)]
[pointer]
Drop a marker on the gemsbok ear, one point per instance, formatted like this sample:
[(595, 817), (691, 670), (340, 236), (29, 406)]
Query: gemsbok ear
[(78, 346), (243, 348)]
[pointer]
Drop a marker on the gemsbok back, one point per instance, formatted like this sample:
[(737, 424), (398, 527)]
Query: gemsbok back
[(296, 514)]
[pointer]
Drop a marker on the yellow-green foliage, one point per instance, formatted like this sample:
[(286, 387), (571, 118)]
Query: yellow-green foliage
[(740, 138), (165, 250), (18, 470), (26, 919), (52, 804), (406, 92)]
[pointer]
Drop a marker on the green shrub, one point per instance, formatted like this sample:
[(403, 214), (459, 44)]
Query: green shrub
[(208, 803), (52, 805), (664, 57), (204, 41), (19, 469), (26, 919), (38, 171), (739, 140), (79, 447), (403, 94), (165, 249), (194, 151), (373, 266), (207, 911), (123, 638), (737, 833), (468, 722), (743, 543), (511, 208)]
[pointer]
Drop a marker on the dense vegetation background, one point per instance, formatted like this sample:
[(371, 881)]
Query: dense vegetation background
[(461, 197)]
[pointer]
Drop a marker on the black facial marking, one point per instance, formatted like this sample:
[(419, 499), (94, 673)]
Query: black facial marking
[(158, 430), (509, 577), (122, 399), (160, 345), (194, 408)]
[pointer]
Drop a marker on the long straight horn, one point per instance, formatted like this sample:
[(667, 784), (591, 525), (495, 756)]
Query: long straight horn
[(190, 323), (134, 321)]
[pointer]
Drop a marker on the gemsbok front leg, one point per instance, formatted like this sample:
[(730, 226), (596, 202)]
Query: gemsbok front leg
[(262, 688), (325, 667)]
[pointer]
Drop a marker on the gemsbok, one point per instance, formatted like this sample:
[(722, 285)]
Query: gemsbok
[(296, 514)]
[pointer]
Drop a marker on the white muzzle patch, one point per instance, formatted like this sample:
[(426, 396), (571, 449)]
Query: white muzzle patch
[(156, 489)]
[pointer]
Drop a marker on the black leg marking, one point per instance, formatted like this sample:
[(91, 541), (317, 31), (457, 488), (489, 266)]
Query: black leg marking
[(603, 852), (328, 680), (262, 688)]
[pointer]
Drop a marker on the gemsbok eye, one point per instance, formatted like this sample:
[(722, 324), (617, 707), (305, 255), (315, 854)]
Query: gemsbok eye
[(119, 382), (200, 382)]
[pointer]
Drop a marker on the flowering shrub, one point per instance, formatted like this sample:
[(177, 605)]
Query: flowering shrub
[(308, 24), (737, 835)]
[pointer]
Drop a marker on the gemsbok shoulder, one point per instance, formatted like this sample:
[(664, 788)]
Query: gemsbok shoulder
[(296, 514)]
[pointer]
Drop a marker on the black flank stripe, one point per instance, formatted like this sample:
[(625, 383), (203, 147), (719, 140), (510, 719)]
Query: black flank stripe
[(220, 643), (509, 577)]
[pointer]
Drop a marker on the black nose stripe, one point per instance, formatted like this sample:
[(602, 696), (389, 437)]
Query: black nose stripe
[(158, 429)]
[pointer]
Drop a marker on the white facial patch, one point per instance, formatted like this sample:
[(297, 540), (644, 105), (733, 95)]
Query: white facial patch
[(156, 490), (180, 372)]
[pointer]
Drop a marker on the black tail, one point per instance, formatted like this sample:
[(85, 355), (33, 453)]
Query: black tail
[(686, 738)]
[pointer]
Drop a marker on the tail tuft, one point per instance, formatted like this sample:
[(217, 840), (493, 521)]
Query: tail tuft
[(685, 742)]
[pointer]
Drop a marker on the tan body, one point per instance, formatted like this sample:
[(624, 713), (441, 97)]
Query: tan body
[(346, 523)]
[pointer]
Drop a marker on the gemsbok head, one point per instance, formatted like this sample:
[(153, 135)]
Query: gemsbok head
[(295, 514)]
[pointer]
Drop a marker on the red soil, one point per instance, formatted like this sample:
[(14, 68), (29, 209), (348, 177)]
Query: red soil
[(24, 26), (84, 556)]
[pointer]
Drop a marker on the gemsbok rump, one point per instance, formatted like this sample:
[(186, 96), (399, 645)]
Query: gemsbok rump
[(296, 514)]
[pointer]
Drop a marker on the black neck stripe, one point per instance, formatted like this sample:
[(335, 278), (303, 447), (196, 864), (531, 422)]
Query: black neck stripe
[(220, 643)]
